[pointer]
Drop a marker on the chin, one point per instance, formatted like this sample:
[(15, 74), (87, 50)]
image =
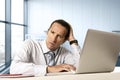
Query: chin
[(53, 49)]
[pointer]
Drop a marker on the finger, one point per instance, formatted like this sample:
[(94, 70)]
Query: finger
[(70, 67), (67, 69)]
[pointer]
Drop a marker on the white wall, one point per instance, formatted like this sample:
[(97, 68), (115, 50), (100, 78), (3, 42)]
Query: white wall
[(81, 14)]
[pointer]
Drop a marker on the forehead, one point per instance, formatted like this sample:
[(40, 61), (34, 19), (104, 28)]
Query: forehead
[(58, 28)]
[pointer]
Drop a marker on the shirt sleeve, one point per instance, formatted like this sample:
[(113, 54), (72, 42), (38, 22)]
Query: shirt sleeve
[(76, 53), (22, 64), (73, 56), (27, 68)]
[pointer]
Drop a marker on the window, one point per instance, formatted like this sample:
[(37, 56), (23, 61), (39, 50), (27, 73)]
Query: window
[(17, 29), (17, 11), (2, 32), (2, 43), (16, 37), (13, 25), (2, 9)]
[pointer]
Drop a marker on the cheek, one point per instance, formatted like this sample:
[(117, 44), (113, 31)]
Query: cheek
[(61, 41)]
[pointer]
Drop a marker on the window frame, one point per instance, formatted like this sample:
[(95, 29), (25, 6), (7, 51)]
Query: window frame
[(5, 68)]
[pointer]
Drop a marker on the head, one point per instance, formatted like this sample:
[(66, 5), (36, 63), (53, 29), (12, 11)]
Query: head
[(57, 34)]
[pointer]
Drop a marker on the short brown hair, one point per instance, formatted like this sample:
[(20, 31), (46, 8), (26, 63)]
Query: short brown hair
[(63, 23)]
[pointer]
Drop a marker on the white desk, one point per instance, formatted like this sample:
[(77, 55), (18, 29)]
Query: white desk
[(98, 76)]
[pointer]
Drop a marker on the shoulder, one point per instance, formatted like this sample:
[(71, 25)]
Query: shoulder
[(30, 42)]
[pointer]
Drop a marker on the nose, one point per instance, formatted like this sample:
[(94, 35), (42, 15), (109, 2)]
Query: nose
[(54, 38)]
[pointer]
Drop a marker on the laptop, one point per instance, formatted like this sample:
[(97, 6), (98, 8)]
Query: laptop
[(99, 53)]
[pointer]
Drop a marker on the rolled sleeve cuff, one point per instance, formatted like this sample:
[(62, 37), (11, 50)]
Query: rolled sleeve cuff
[(76, 47)]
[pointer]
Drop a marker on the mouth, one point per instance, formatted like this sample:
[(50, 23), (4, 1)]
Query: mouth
[(52, 44)]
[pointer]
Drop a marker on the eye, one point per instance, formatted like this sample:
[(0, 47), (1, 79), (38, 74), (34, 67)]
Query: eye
[(60, 36), (52, 32)]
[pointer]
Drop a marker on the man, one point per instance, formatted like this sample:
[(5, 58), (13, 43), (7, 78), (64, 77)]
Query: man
[(34, 57)]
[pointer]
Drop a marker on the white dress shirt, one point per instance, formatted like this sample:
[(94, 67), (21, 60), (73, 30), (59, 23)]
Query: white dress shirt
[(30, 58)]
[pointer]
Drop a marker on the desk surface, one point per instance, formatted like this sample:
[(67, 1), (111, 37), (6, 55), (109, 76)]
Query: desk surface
[(98, 76)]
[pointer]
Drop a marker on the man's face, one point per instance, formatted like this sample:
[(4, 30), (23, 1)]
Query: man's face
[(55, 36)]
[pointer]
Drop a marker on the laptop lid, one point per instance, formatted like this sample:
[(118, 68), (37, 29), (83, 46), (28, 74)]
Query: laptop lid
[(100, 52)]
